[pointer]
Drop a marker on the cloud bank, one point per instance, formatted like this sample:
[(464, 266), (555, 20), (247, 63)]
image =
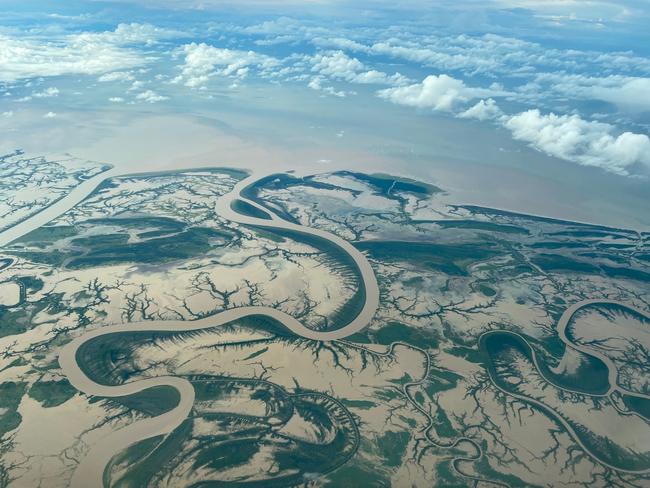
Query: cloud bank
[(572, 138), (440, 92), (87, 53), (201, 61)]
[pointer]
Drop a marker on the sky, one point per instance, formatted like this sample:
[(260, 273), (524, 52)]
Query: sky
[(534, 106)]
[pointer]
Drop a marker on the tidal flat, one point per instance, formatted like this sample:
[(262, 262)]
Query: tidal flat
[(207, 327)]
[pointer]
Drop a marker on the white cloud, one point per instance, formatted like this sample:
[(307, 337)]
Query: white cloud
[(632, 94), (336, 64), (49, 115), (132, 34), (627, 92), (136, 85), (483, 110), (116, 76), (202, 60), (567, 137), (340, 43), (47, 93), (442, 93), (116, 99), (316, 83), (8, 113), (150, 96), (574, 139), (339, 65), (84, 53)]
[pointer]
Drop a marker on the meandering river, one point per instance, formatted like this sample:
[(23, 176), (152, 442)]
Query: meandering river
[(90, 471)]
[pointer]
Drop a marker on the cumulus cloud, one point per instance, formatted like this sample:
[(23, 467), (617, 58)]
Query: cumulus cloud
[(316, 83), (339, 65), (549, 75), (574, 139), (47, 93), (83, 53), (441, 93), (201, 61), (131, 34), (340, 43), (489, 54), (116, 76), (49, 115), (483, 110), (567, 137), (631, 94), (150, 96)]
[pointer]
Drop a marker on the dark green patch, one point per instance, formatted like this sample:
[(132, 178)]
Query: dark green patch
[(157, 452), (245, 208), (638, 405), (362, 404), (18, 319), (52, 393), (499, 346), (10, 395), (480, 225), (162, 240), (357, 476), (448, 259), (47, 234), (256, 353), (398, 332), (152, 401), (486, 290), (558, 262), (392, 446), (386, 185)]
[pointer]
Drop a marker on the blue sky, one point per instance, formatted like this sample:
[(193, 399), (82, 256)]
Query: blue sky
[(566, 82)]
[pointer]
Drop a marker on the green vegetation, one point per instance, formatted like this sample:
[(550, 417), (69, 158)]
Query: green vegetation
[(486, 290), (561, 263), (255, 354), (52, 393), (626, 273), (480, 225), (106, 359), (585, 229), (557, 245), (239, 438), (18, 319), (10, 395), (158, 452), (444, 258), (357, 475), (392, 446), (591, 376), (398, 332), (245, 208), (47, 234), (499, 347), (638, 405), (152, 401), (159, 240), (558, 262), (276, 181), (387, 185), (296, 436)]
